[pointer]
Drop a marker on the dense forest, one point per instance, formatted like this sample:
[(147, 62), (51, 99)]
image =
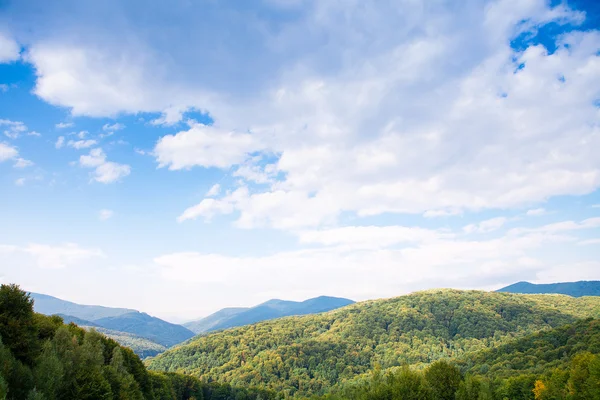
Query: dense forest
[(41, 358), (306, 356)]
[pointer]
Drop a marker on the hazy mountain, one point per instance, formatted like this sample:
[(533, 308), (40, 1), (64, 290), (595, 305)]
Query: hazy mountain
[(146, 326), (49, 305), (232, 317), (123, 321), (575, 289), (208, 323)]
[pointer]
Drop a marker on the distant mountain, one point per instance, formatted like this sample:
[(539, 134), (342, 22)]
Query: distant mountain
[(574, 289), (232, 317), (146, 326), (141, 346), (49, 305), (208, 324), (122, 321)]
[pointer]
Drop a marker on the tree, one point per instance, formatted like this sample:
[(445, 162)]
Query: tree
[(17, 327), (443, 379)]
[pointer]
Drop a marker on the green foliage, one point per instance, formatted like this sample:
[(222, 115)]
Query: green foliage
[(65, 362), (304, 356), (17, 327)]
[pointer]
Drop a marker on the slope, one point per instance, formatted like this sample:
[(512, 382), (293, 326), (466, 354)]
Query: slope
[(233, 317), (146, 326), (49, 305), (123, 320), (303, 356), (575, 289), (208, 323)]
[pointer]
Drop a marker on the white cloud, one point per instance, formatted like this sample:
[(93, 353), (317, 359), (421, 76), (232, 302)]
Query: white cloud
[(22, 163), (34, 133), (60, 142), (62, 125), (214, 190), (7, 152), (4, 87), (105, 214), (14, 129), (536, 212), (20, 181), (441, 213), (104, 171), (205, 146), (55, 256), (371, 236), (82, 134), (590, 241), (9, 49), (486, 226), (81, 144), (397, 116), (114, 127)]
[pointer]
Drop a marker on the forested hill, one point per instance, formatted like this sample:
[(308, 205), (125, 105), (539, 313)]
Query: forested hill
[(575, 289), (306, 355), (232, 317), (43, 359)]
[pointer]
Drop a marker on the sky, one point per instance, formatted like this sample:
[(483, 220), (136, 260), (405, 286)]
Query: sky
[(184, 156)]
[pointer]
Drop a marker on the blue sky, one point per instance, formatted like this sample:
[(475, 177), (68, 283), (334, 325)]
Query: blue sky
[(181, 157)]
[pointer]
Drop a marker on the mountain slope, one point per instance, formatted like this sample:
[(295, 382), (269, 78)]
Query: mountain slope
[(122, 320), (575, 289), (208, 323), (303, 356), (49, 305), (146, 326), (233, 317)]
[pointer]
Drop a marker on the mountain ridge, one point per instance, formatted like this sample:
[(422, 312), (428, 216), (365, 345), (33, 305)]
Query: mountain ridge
[(574, 289), (275, 308)]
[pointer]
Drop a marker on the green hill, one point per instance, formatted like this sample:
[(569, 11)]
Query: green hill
[(306, 355), (43, 359), (275, 308), (575, 289)]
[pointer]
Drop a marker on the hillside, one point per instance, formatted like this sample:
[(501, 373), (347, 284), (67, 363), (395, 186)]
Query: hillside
[(44, 359), (305, 355), (213, 320), (121, 321), (575, 289), (146, 326), (140, 346), (233, 317), (49, 305)]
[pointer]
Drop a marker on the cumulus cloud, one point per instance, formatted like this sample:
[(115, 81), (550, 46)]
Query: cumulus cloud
[(22, 163), (104, 171), (81, 144), (60, 142), (536, 212), (205, 146), (113, 127), (9, 49), (214, 190), (486, 226), (396, 116), (105, 214), (7, 152), (13, 129), (62, 125), (54, 256)]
